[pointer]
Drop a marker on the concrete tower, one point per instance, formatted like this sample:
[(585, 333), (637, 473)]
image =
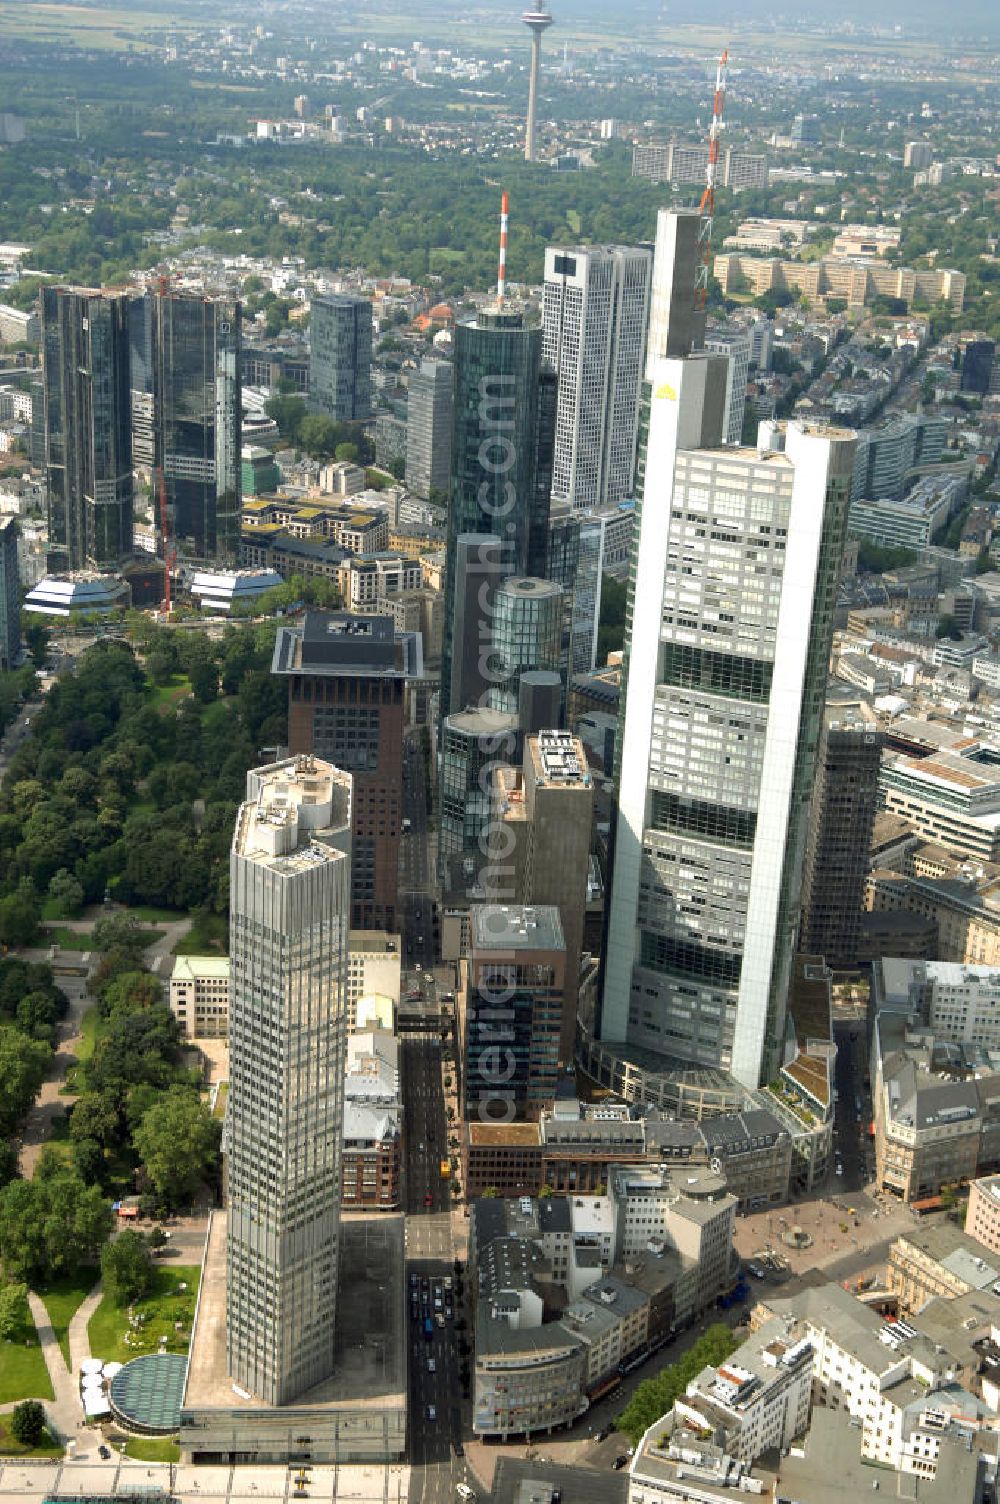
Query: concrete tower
[(537, 20)]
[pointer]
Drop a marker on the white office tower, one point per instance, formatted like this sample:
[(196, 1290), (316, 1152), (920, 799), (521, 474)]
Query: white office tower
[(289, 908), (736, 557), (676, 323), (736, 346), (594, 318)]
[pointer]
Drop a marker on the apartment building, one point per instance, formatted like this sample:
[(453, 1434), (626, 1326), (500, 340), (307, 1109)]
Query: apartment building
[(198, 994)]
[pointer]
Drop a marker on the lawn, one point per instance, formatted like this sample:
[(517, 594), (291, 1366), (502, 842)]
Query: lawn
[(222, 1096), (63, 1298), (206, 937), (23, 1375), (146, 911), (155, 1316), (152, 1449), (11, 1448), (90, 1026), (57, 934), (166, 696)]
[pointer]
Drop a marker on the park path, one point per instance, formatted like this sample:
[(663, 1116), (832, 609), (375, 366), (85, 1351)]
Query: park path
[(65, 1413)]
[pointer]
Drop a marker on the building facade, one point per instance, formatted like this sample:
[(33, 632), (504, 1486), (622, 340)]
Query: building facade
[(527, 635), (199, 996), (88, 427), (595, 311), (429, 417), (340, 357), (289, 911), (10, 597)]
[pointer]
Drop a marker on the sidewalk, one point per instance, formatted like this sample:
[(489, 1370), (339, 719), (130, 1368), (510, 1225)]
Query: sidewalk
[(65, 1412)]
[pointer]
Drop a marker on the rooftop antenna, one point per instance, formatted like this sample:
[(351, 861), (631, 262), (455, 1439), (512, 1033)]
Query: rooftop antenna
[(502, 271), (707, 206)]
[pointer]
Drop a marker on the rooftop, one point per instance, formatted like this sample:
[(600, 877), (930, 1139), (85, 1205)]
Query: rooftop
[(516, 927), (340, 644), (200, 968), (297, 814)]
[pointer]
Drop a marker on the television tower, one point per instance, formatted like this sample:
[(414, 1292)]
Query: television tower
[(537, 20)]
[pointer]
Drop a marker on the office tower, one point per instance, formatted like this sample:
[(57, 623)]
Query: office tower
[(736, 346), (198, 419), (482, 563), (734, 577), (587, 595), (513, 1005), (887, 455), (88, 426), (501, 453), (845, 799), (290, 883), (562, 564), (546, 809), (347, 679), (676, 323), (340, 357), (428, 428), (977, 366), (10, 597), (472, 741), (594, 318), (526, 635), (538, 21), (142, 377), (805, 129)]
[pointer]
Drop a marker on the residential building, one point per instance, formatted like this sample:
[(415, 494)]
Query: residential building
[(373, 1123), (88, 427), (197, 415), (982, 1217), (526, 636), (347, 678), (429, 417), (842, 817), (857, 282), (10, 597), (199, 996), (546, 809), (510, 1011), (374, 968), (289, 911), (737, 346), (918, 154), (734, 577), (595, 309), (501, 476), (340, 357), (370, 582), (677, 163)]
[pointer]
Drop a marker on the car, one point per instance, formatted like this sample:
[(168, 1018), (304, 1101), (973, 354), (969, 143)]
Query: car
[(448, 1282), (620, 1461), (105, 1452), (449, 1311), (414, 1281), (432, 1412), (462, 1489), (459, 1449), (439, 1318), (431, 1365), (756, 1271), (428, 1199), (839, 1172)]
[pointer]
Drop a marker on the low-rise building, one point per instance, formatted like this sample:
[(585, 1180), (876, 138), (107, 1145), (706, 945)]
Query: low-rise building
[(982, 1217), (938, 1260), (198, 994), (374, 961), (373, 1123)]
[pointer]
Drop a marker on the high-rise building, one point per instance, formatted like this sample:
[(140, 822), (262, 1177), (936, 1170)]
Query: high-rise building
[(429, 413), (513, 1006), (340, 357), (676, 323), (197, 406), (290, 885), (88, 426), (845, 799), (918, 154), (735, 567), (736, 346), (502, 450), (978, 360), (142, 378), (471, 742), (594, 316), (482, 563), (527, 633), (347, 679), (887, 455), (10, 597), (546, 808)]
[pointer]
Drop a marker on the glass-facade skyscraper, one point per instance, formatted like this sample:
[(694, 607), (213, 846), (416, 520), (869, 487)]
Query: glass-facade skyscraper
[(428, 428), (527, 635), (197, 405), (88, 427), (340, 357), (502, 439)]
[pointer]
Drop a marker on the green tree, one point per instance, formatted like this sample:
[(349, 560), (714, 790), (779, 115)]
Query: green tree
[(655, 1396), (66, 891), (318, 435), (20, 916), (14, 1312), (178, 1142), (27, 1423), (127, 1267), (204, 677), (23, 1063), (346, 452), (95, 1116), (119, 932)]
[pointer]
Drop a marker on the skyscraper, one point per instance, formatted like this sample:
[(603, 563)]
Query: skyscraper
[(482, 563), (844, 804), (142, 377), (340, 357), (501, 451), (428, 428), (527, 634), (197, 419), (594, 322), (347, 680), (88, 426), (10, 596), (676, 323), (288, 912), (735, 566), (735, 345)]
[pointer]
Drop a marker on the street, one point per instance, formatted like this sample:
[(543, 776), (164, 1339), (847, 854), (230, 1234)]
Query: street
[(415, 886)]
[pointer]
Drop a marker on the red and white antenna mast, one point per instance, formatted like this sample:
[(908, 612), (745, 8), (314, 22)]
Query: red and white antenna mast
[(502, 271), (707, 206)]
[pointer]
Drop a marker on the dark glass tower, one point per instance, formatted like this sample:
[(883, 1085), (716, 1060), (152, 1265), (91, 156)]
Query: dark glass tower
[(501, 462), (197, 422), (340, 357), (88, 426)]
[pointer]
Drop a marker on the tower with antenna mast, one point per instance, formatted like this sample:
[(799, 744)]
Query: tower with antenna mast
[(537, 20), (707, 206)]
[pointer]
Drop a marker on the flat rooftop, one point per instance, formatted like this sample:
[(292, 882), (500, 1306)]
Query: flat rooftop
[(559, 758), (339, 644), (519, 927), (370, 1353), (297, 814)]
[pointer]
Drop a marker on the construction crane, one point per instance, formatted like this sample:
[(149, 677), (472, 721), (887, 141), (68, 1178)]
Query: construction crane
[(169, 551), (707, 206)]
